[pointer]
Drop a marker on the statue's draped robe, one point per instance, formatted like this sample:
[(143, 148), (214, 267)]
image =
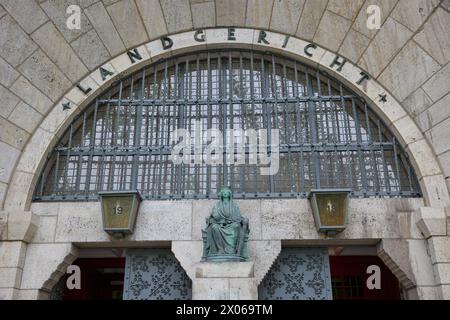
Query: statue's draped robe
[(224, 226)]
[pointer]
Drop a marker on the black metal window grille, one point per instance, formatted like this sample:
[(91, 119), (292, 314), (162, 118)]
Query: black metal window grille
[(329, 137), (349, 287)]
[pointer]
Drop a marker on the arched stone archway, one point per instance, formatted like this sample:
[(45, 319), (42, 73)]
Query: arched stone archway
[(22, 185), (31, 161)]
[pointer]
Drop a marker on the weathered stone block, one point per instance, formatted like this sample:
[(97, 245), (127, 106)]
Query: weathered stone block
[(433, 37), (104, 26), (45, 208), (91, 49), (230, 13), (346, 8), (444, 292), (280, 219), (31, 95), (310, 18), (8, 293), (22, 225), (444, 160), (435, 190), (424, 159), (56, 47), (439, 249), (7, 73), (177, 14), (438, 136), (439, 111), (7, 161), (10, 277), (12, 254), (210, 289), (407, 221), (40, 71), (3, 187), (164, 220), (224, 270), (391, 37), (80, 222), (400, 71), (203, 14), (46, 230), (410, 133), (25, 117), (27, 13), (432, 222), (243, 289), (12, 134), (417, 102), (285, 15), (423, 293), (153, 17), (437, 86), (258, 13), (442, 273), (412, 13), (339, 25), (354, 45), (125, 17), (29, 295), (15, 45), (9, 101)]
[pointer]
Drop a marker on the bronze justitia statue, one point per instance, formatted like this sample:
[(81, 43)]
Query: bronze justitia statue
[(226, 235)]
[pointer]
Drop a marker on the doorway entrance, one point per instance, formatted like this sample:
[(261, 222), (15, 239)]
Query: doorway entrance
[(313, 274)]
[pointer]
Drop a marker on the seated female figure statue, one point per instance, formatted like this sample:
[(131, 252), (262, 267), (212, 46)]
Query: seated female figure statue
[(226, 235)]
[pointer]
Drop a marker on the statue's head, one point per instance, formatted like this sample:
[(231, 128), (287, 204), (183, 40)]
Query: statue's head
[(225, 193)]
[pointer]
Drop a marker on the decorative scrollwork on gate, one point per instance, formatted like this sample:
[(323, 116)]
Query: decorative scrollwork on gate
[(155, 274), (298, 274)]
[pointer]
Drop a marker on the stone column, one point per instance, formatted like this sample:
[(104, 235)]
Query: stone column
[(409, 261), (16, 231), (224, 281), (434, 225)]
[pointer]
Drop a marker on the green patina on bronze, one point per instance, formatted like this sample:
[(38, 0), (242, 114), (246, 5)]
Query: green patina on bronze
[(225, 237)]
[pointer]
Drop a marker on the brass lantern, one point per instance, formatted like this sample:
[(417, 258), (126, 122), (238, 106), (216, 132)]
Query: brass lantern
[(329, 208), (119, 211)]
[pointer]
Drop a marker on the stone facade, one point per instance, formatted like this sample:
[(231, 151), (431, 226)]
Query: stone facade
[(42, 62)]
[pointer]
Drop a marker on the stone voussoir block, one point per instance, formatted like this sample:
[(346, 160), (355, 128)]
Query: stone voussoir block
[(432, 222), (225, 270), (22, 225)]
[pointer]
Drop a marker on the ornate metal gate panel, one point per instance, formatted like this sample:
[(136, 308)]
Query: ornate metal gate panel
[(298, 274), (155, 274)]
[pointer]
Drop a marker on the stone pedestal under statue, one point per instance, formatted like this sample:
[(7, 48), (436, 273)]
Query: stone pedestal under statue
[(224, 281)]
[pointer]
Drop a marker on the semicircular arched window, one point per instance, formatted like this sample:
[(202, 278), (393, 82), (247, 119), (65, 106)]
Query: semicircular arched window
[(328, 137)]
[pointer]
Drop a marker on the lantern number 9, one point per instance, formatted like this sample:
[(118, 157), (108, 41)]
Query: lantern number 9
[(118, 209)]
